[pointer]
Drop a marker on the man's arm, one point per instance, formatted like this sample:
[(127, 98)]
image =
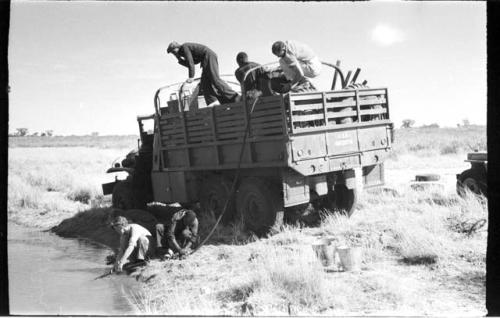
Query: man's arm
[(194, 235), (239, 75), (171, 235), (122, 247), (188, 62)]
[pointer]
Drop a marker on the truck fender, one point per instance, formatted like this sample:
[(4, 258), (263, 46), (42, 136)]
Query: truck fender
[(120, 169)]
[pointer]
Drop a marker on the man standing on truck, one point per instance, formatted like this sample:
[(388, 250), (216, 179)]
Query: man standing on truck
[(213, 87), (252, 81), (298, 62), (136, 243), (259, 80), (182, 234)]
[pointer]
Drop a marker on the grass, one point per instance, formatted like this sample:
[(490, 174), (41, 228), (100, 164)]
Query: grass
[(409, 257), (103, 142), (423, 251), (430, 142)]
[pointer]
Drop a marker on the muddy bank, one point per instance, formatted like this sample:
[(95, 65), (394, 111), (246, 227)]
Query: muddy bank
[(93, 224)]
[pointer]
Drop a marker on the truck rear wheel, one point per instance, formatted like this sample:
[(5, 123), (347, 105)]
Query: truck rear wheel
[(342, 199), (122, 197), (260, 205), (215, 192)]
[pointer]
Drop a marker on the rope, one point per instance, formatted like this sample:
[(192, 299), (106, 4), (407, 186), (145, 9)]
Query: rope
[(235, 181)]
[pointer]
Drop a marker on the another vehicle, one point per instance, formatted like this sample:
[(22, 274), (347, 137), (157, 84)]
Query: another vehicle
[(280, 151), (474, 179)]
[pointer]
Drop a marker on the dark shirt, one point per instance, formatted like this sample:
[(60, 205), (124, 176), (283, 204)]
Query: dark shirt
[(177, 226), (251, 80), (191, 54)]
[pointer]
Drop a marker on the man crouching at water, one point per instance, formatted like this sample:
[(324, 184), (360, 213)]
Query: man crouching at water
[(182, 234), (136, 243)]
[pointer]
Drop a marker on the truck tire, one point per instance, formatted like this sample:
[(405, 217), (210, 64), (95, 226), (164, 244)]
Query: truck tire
[(472, 179), (214, 193), (122, 197), (342, 199), (260, 205)]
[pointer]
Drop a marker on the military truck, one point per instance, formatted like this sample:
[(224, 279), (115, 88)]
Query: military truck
[(281, 151)]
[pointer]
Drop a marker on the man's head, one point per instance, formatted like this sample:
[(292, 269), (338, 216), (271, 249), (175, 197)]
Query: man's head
[(119, 224), (173, 47), (279, 48), (241, 58), (189, 218)]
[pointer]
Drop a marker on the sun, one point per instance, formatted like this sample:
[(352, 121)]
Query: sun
[(386, 35)]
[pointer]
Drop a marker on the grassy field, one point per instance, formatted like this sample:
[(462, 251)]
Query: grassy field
[(423, 251)]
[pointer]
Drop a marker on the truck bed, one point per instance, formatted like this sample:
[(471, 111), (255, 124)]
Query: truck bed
[(211, 138)]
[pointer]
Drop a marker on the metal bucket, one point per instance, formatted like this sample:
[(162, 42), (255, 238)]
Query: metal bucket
[(350, 258), (323, 251)]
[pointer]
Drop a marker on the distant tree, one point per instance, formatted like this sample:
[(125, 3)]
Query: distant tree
[(465, 122), (94, 134), (43, 134), (21, 132), (49, 133), (407, 123), (35, 134)]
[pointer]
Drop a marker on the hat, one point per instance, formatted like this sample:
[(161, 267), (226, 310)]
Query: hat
[(278, 46), (172, 46)]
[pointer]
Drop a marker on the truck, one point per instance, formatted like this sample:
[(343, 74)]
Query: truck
[(259, 157), (474, 179)]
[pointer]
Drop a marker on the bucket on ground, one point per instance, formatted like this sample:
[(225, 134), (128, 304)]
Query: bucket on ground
[(323, 251), (350, 257)]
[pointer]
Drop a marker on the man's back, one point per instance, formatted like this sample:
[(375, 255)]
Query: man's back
[(198, 51), (250, 81), (136, 231), (300, 51)]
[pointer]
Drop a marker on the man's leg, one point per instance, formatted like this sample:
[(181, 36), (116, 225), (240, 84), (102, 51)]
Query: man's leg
[(207, 87), (223, 92), (143, 246), (311, 69), (160, 235)]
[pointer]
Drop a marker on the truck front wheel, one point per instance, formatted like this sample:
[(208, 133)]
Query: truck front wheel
[(342, 198), (122, 197), (473, 180), (260, 205)]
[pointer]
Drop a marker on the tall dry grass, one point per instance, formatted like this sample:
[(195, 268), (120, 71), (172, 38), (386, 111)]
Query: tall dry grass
[(416, 245), (423, 251), (44, 184), (438, 141)]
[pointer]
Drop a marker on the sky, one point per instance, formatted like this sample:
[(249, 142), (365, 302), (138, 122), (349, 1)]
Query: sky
[(93, 66)]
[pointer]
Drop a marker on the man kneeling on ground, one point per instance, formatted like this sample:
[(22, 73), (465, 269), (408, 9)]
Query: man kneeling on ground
[(182, 234), (136, 243)]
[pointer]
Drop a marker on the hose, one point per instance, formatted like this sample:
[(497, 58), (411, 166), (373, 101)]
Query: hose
[(235, 181)]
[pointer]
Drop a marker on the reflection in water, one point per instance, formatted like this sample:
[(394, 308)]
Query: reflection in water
[(50, 275)]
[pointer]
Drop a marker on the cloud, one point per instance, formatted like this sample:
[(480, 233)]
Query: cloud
[(386, 35)]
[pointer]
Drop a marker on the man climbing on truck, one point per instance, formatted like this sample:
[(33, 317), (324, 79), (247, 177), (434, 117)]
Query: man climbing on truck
[(181, 236), (298, 62), (214, 88)]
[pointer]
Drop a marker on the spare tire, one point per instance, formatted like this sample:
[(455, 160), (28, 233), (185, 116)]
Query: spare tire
[(427, 177)]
